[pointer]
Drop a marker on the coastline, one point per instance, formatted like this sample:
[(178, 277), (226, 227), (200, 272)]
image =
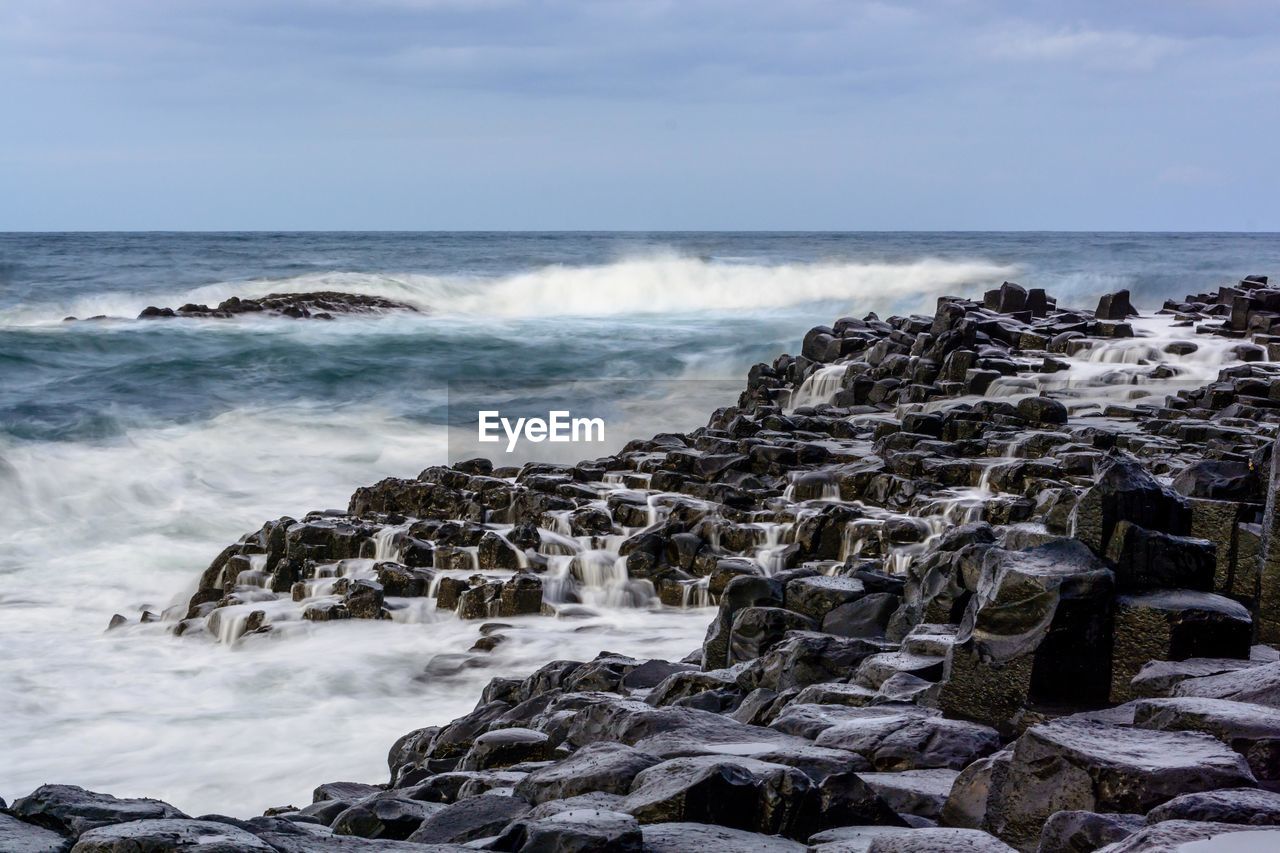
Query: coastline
[(869, 553)]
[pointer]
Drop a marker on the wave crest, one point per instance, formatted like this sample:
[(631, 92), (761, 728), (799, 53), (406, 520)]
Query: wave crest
[(636, 286)]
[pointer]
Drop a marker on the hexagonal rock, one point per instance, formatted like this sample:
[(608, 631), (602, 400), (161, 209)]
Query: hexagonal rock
[(19, 837), (895, 739), (741, 793), (683, 837), (922, 793), (1259, 685), (1178, 835), (1159, 677), (504, 747), (71, 810), (1037, 630), (885, 839), (574, 830), (1092, 766), (469, 819), (1174, 625), (1251, 806), (1251, 730), (197, 836), (1073, 831), (602, 766)]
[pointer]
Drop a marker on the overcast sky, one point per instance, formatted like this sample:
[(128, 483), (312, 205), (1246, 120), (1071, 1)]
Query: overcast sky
[(594, 114)]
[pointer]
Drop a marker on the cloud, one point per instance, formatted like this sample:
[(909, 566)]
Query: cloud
[(1108, 50)]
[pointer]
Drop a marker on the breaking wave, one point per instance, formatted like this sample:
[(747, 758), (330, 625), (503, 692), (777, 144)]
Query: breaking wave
[(650, 285)]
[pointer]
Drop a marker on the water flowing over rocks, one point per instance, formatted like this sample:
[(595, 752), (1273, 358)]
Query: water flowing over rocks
[(1004, 577)]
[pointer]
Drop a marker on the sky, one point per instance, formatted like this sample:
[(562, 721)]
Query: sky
[(639, 114)]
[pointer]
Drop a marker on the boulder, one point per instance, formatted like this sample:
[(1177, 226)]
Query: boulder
[(504, 747), (756, 630), (905, 738), (174, 835), (469, 819), (736, 792), (1115, 306), (69, 810), (922, 793), (19, 837), (1036, 631), (1092, 766), (574, 831), (1125, 491), (1174, 625), (682, 837), (1257, 684), (1082, 831), (602, 766), (1180, 836), (385, 815), (1251, 730)]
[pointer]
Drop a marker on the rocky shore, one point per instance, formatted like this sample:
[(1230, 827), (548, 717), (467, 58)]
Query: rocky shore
[(1005, 577)]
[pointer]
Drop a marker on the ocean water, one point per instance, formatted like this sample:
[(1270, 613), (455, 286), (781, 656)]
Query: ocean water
[(132, 451)]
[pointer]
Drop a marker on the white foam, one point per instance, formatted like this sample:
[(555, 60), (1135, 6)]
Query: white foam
[(662, 284)]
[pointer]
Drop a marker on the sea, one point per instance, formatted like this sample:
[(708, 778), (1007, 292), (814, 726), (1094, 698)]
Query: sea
[(132, 451)]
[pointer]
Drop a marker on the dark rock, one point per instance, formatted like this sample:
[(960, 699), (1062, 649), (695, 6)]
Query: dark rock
[(1090, 766), (684, 837), (1251, 730), (1146, 559), (69, 810), (1083, 832), (603, 766), (1173, 625), (736, 792), (1259, 685), (469, 819), (384, 815), (504, 747), (573, 831), (922, 793), (1180, 835), (172, 834), (1042, 410), (19, 837), (756, 630), (1234, 805), (1115, 306)]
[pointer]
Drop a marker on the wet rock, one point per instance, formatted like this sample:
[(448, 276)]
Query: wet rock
[(576, 830), (1234, 805), (922, 793), (736, 792), (19, 837), (1180, 835), (1159, 677), (1259, 685), (894, 739), (683, 837), (504, 747), (1081, 831), (817, 596), (804, 658), (1173, 624), (70, 810), (1115, 306), (1251, 730), (384, 815), (603, 766), (866, 617), (477, 817), (1090, 766), (1125, 491), (1145, 559), (1042, 410), (1036, 631), (157, 835), (756, 630), (864, 839), (739, 593)]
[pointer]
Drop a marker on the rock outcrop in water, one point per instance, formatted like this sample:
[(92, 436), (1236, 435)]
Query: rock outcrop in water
[(320, 305), (1007, 577)]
